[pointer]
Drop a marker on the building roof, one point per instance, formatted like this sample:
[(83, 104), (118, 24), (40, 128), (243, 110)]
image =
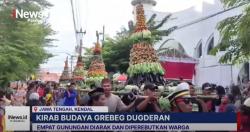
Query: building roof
[(172, 50), (135, 2), (47, 76)]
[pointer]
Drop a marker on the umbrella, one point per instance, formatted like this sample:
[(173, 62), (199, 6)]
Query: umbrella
[(122, 78)]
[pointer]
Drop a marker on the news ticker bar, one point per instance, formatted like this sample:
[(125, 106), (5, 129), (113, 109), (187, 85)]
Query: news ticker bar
[(85, 118), (134, 127), (133, 117)]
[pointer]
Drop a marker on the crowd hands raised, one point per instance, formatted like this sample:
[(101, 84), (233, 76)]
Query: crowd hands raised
[(184, 98)]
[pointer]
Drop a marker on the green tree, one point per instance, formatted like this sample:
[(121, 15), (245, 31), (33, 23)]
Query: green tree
[(87, 57), (116, 50), (22, 41), (116, 54), (235, 32)]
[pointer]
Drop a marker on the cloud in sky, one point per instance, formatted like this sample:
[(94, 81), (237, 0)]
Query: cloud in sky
[(114, 14)]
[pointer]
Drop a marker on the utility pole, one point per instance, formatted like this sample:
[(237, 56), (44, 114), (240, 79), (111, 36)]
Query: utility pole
[(81, 36), (103, 34), (71, 65)]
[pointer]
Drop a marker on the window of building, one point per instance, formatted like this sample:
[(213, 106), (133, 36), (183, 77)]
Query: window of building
[(198, 50), (210, 45)]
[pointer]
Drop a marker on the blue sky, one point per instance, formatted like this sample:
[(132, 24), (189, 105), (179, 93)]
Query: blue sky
[(114, 14)]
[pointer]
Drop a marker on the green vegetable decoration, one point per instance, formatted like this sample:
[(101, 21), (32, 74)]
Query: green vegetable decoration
[(144, 66), (96, 70), (164, 104)]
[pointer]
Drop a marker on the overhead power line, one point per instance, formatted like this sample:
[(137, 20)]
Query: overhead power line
[(74, 19)]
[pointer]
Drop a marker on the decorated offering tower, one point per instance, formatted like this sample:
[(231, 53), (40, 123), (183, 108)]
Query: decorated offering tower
[(79, 72), (96, 70), (144, 66), (65, 77)]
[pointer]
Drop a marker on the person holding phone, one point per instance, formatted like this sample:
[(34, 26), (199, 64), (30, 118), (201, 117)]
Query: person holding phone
[(70, 95)]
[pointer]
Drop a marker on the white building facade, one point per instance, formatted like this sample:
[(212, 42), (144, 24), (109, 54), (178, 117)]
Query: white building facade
[(197, 33)]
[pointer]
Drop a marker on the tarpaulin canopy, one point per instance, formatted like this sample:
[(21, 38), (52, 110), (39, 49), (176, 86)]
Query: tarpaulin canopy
[(176, 70), (176, 62)]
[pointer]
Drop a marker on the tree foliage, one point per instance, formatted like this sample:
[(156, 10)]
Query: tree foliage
[(235, 32), (87, 57), (116, 50), (22, 41), (116, 54)]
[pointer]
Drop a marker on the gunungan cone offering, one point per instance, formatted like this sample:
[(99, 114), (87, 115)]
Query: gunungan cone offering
[(97, 70), (144, 66)]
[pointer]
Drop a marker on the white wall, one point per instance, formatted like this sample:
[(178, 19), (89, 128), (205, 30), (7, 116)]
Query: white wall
[(208, 69)]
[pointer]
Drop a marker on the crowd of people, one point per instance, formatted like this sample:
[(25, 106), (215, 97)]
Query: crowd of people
[(184, 98)]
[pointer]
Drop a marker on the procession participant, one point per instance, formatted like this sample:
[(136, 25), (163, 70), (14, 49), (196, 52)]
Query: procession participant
[(198, 105), (191, 89), (231, 106), (113, 102), (180, 99), (245, 116), (56, 94), (49, 98), (61, 99), (245, 83), (42, 93), (220, 92), (3, 102), (246, 92), (97, 97), (70, 95), (226, 105), (31, 89), (207, 91), (148, 103), (40, 90), (33, 100), (19, 98), (237, 98)]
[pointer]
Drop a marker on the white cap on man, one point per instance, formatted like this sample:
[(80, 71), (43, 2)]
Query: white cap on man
[(247, 102), (34, 96)]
